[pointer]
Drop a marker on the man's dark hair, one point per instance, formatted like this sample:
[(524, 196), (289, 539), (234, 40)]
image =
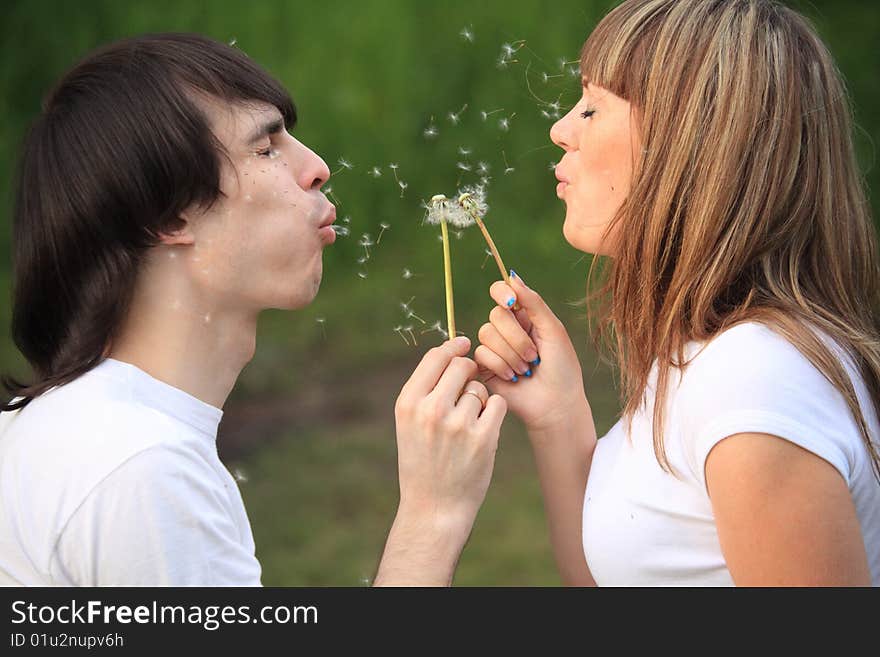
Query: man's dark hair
[(119, 151)]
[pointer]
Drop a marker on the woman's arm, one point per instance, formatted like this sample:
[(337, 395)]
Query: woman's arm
[(785, 516), (531, 344)]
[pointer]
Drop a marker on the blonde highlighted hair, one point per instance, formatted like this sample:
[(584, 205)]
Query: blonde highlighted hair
[(747, 203)]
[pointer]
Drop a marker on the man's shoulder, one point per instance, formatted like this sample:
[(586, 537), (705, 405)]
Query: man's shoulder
[(90, 425)]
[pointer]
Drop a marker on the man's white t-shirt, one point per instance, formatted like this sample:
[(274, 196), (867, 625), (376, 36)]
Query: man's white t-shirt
[(644, 527), (114, 479)]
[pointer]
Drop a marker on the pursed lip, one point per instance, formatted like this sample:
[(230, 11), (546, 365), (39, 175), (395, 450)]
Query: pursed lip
[(329, 216), (560, 177)]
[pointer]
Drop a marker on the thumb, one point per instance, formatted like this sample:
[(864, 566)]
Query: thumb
[(519, 295)]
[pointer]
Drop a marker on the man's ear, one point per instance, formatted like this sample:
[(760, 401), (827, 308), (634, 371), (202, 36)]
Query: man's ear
[(182, 236)]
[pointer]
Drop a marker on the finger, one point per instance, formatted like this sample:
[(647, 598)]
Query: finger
[(489, 360), (474, 390), (503, 294), (459, 371), (425, 377), (493, 414), (537, 310), (513, 333), (490, 337)]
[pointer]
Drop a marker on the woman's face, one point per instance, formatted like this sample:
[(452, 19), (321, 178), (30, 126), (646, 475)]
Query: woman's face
[(601, 145)]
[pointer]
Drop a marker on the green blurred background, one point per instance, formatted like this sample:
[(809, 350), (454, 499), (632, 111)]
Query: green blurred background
[(309, 429)]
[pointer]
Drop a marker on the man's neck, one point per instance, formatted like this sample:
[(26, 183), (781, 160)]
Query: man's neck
[(192, 345)]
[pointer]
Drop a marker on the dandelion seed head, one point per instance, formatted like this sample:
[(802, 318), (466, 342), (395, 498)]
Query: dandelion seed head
[(442, 209), (472, 199)]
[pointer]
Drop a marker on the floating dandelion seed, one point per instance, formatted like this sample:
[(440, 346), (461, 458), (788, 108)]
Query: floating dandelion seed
[(507, 168), (431, 131), (486, 259), (458, 234), (240, 476), (436, 327), (403, 185), (551, 166), (346, 219), (407, 274), (409, 329), (399, 331), (362, 260), (322, 321), (455, 117), (366, 241), (504, 123), (382, 228), (341, 231), (376, 172), (233, 41), (362, 274), (344, 165), (467, 33), (485, 115), (464, 151), (574, 71), (328, 192), (464, 166), (482, 168)]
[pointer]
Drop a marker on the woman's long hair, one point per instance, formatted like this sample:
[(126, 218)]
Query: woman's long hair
[(747, 204), (119, 151)]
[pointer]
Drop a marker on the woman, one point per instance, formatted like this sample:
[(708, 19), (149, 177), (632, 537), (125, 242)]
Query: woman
[(710, 159)]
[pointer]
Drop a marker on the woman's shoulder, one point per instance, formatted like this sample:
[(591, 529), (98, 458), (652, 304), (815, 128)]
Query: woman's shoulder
[(755, 353)]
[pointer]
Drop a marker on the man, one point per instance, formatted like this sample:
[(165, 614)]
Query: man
[(162, 203)]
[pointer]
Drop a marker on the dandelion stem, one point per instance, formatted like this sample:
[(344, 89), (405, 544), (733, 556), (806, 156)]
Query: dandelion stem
[(447, 270), (493, 248)]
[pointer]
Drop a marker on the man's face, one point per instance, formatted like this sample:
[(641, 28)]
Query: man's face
[(261, 244)]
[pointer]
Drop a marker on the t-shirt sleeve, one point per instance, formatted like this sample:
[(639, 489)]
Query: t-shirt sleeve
[(162, 518), (752, 380)]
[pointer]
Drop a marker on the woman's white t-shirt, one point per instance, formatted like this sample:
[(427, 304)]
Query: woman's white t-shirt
[(114, 479), (644, 527)]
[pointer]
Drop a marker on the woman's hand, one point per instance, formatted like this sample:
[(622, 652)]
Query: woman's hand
[(447, 434), (527, 357)]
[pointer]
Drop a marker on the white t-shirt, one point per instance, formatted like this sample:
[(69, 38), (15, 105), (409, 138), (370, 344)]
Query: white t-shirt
[(644, 527), (114, 479)]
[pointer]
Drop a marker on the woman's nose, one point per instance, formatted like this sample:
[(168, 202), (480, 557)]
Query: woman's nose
[(558, 134)]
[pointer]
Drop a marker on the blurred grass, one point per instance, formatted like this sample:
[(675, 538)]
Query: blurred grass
[(367, 78)]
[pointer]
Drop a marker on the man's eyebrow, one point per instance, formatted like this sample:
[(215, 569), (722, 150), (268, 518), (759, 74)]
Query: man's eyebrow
[(271, 127)]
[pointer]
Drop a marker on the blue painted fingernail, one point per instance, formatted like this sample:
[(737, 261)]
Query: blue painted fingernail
[(528, 372), (537, 361), (514, 379), (512, 274), (511, 301)]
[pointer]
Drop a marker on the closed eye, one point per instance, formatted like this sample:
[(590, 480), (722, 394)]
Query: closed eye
[(587, 114)]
